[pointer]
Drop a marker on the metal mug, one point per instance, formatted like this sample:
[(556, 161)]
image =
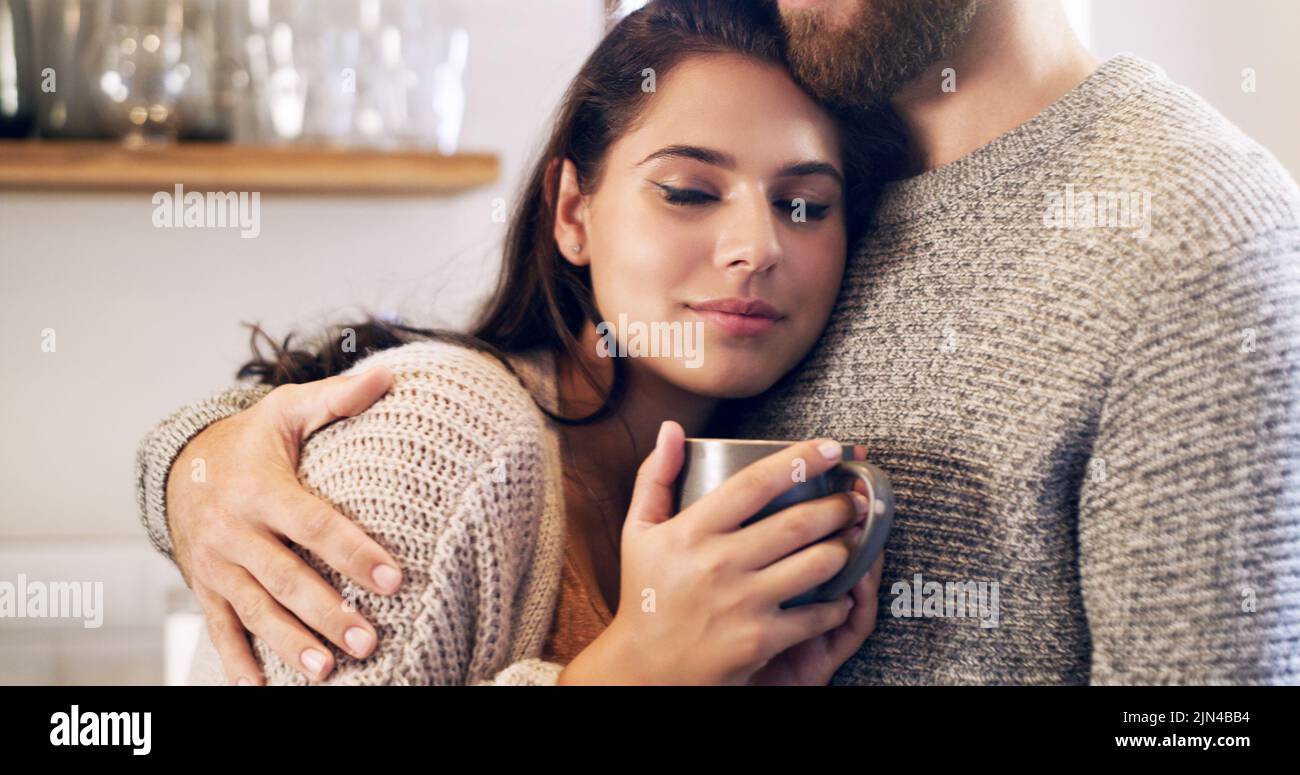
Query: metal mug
[(710, 462)]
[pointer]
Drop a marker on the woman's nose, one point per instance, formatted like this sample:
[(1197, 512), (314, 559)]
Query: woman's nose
[(751, 240)]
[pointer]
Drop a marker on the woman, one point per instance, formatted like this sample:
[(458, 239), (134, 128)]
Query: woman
[(688, 183)]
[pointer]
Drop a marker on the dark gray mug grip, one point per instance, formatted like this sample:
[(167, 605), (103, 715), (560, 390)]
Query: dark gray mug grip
[(880, 517)]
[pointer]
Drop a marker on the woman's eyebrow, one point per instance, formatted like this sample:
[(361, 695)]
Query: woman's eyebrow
[(798, 169), (727, 161), (706, 155)]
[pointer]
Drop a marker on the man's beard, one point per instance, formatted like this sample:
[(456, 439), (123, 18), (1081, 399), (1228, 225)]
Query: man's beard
[(886, 43)]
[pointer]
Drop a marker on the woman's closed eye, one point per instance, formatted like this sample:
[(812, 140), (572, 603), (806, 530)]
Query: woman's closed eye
[(796, 208), (685, 196)]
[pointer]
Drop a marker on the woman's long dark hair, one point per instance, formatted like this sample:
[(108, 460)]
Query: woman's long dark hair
[(541, 300)]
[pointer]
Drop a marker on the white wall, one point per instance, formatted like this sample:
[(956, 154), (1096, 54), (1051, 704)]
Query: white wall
[(1205, 45), (148, 319)]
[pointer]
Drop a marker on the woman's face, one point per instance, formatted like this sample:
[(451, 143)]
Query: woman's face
[(716, 228)]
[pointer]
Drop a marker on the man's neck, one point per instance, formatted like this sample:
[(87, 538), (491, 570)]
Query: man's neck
[(1018, 58)]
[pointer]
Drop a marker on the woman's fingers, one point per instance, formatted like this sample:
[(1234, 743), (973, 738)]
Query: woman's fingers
[(297, 587), (768, 540), (801, 571), (754, 486), (792, 626), (310, 522), (268, 620), (846, 640), (229, 638)]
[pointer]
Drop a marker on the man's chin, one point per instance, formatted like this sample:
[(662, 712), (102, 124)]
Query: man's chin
[(831, 14), (858, 53)]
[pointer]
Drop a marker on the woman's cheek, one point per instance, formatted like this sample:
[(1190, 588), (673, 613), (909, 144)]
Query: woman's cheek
[(656, 256), (618, 261), (821, 267), (635, 276), (818, 278)]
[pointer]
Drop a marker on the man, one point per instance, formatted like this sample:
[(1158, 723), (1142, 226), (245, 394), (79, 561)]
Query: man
[(1072, 337)]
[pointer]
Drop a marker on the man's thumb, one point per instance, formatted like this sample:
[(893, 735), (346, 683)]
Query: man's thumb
[(652, 497), (343, 395)]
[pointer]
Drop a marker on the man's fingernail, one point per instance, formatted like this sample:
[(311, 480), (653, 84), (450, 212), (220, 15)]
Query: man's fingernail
[(313, 660), (386, 577), (830, 450), (358, 640)]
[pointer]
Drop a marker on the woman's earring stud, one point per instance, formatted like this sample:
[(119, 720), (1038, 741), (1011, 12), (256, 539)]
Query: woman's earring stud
[(577, 247)]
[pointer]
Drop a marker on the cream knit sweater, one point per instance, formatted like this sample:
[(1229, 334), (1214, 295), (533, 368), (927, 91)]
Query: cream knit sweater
[(457, 473)]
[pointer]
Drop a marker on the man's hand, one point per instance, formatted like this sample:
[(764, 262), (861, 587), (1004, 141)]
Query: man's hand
[(229, 531)]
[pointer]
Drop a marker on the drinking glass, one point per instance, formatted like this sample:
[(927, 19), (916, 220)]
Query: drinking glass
[(138, 80)]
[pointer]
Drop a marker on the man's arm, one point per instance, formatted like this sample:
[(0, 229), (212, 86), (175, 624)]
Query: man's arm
[(219, 494), (1189, 514)]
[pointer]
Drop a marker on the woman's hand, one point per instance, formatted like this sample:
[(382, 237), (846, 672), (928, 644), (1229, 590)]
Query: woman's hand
[(814, 662), (700, 595), (229, 530)]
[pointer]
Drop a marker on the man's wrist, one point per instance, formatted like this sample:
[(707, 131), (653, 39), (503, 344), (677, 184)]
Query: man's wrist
[(162, 447)]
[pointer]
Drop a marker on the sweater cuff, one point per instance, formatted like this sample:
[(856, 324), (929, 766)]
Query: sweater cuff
[(527, 672), (161, 446)]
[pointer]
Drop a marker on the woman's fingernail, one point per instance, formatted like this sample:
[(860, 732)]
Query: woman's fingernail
[(313, 660), (830, 450), (663, 430), (386, 577), (244, 681), (861, 503), (851, 602), (358, 640)]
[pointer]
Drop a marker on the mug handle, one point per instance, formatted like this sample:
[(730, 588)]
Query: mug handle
[(880, 517)]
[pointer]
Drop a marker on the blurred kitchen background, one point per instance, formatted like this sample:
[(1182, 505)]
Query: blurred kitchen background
[(386, 137)]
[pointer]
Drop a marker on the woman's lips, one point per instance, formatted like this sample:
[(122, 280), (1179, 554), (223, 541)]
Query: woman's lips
[(739, 317)]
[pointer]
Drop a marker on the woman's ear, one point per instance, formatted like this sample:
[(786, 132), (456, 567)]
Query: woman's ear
[(571, 217)]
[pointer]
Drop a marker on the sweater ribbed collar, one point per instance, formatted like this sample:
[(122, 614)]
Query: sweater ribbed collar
[(1029, 143)]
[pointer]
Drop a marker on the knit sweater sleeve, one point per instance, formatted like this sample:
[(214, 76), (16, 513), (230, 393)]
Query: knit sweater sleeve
[(160, 447), (1189, 513), (445, 472)]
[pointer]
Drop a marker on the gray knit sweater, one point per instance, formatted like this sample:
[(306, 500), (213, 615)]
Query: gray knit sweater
[(1077, 353), (1101, 420)]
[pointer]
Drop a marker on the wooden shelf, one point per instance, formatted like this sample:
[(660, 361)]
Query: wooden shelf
[(111, 166)]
